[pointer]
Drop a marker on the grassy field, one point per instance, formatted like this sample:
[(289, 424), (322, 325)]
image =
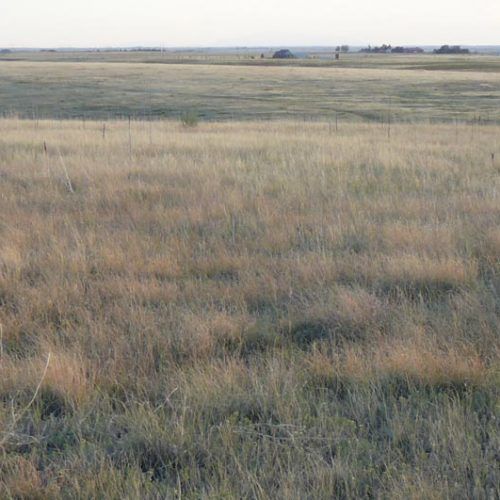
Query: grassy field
[(248, 309), (147, 85), (249, 57)]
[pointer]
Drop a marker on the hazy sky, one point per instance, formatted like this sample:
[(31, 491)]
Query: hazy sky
[(94, 23)]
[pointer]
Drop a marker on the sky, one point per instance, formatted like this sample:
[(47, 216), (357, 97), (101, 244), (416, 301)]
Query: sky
[(212, 23)]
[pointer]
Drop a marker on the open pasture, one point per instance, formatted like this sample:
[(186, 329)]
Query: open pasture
[(361, 88)]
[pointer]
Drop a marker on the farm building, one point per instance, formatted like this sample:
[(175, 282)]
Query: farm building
[(283, 54)]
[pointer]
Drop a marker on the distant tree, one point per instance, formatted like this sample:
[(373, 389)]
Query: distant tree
[(344, 48), (451, 49), (407, 50), (383, 49)]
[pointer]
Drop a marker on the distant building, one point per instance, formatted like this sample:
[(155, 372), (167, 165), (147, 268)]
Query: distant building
[(283, 54)]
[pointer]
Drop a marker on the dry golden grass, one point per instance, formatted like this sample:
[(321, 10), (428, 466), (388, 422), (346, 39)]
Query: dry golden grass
[(66, 376), (413, 360), (249, 310), (412, 355)]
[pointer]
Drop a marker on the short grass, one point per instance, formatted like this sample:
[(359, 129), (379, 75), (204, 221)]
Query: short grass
[(249, 310), (359, 88)]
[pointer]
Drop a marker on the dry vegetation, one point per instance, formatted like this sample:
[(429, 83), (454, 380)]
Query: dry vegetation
[(249, 310)]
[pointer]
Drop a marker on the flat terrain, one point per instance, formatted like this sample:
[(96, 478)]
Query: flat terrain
[(227, 87), (248, 309), (252, 57)]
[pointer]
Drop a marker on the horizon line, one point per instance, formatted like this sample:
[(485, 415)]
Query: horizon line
[(264, 46)]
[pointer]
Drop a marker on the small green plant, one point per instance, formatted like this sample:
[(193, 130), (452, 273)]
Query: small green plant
[(190, 119)]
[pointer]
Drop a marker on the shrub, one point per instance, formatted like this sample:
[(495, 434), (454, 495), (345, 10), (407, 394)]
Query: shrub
[(190, 119)]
